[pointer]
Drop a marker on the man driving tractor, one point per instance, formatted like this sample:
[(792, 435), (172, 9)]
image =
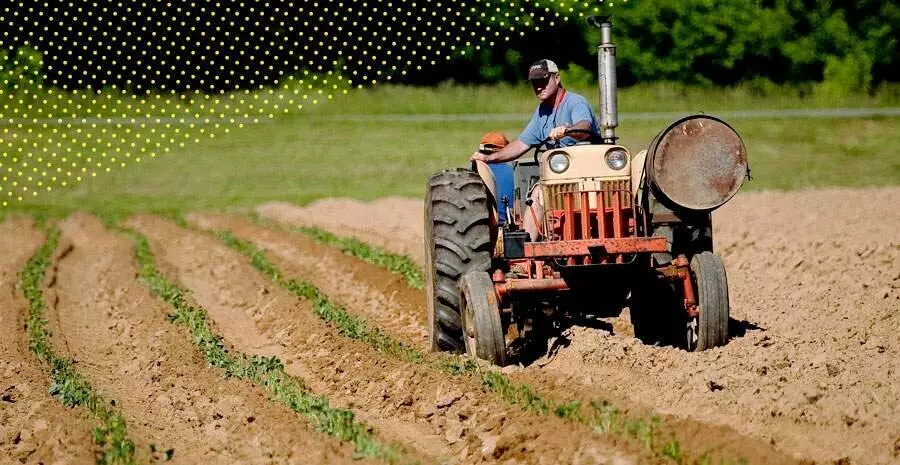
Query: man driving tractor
[(596, 228), (558, 111)]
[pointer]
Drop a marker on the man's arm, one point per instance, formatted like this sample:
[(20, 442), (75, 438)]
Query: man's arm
[(559, 132), (513, 150)]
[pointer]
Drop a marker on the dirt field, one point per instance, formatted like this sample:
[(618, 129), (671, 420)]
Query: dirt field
[(34, 427), (809, 376), (814, 278)]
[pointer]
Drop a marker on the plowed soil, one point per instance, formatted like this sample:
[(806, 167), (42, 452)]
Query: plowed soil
[(810, 374), (125, 346), (34, 427), (814, 280), (442, 417)]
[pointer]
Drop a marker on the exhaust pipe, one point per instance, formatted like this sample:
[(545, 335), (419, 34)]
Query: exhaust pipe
[(606, 64)]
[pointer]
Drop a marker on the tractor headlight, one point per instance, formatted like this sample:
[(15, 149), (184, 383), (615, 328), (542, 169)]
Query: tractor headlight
[(617, 159), (559, 162)]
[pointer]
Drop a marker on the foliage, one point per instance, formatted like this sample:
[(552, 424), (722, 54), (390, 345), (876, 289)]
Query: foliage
[(111, 437), (725, 42), (21, 70), (691, 41)]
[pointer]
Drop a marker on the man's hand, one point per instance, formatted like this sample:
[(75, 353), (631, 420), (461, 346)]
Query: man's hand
[(558, 132), (478, 156)]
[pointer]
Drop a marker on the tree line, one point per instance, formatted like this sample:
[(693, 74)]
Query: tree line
[(210, 46)]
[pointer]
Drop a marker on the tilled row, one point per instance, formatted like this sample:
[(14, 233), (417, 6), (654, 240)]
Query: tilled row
[(173, 402), (34, 427), (443, 416), (345, 279), (814, 301)]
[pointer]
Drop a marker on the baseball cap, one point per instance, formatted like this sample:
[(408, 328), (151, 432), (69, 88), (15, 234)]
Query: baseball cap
[(492, 141), (541, 69)]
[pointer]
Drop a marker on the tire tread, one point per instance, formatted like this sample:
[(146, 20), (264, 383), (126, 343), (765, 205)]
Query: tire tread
[(457, 241)]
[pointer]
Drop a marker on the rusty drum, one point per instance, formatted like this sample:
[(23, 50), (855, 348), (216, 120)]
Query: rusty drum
[(698, 162)]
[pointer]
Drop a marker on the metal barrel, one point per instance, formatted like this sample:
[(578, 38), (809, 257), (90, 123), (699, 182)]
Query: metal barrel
[(698, 162)]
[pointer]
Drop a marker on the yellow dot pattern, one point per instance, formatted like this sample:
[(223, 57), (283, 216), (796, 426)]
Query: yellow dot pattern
[(96, 86)]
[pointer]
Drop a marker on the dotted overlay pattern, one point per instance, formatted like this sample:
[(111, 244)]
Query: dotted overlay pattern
[(95, 86)]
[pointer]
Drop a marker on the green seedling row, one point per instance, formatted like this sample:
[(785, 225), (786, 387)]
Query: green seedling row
[(601, 416), (397, 264), (111, 436), (267, 372)]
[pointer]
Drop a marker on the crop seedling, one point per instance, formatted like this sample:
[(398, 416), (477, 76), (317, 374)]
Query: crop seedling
[(267, 372), (397, 264), (111, 436), (602, 416)]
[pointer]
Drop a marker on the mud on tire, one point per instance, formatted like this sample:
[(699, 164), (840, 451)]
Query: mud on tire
[(457, 241)]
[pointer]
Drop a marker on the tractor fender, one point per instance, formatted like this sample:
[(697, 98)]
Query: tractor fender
[(487, 177)]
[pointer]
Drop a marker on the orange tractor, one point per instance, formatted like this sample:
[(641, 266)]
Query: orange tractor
[(618, 229)]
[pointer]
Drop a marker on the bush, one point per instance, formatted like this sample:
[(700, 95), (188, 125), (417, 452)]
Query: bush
[(21, 70), (852, 73), (579, 77)]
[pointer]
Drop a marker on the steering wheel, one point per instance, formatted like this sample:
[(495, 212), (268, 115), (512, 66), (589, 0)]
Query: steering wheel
[(539, 147)]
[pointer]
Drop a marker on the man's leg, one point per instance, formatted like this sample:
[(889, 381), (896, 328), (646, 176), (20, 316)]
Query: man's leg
[(534, 214)]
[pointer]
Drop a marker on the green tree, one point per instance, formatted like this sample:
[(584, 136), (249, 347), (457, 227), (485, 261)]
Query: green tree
[(21, 70)]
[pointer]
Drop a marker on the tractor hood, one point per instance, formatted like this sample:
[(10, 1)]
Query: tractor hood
[(585, 163)]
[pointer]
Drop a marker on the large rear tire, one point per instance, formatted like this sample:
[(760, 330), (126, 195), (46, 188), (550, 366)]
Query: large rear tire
[(710, 328), (457, 241), (482, 328)]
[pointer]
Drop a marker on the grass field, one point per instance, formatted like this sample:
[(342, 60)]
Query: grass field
[(304, 155)]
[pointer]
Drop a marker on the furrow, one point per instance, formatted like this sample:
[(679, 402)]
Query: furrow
[(114, 445), (563, 394), (267, 372), (34, 427), (521, 403), (259, 320), (814, 297), (125, 345)]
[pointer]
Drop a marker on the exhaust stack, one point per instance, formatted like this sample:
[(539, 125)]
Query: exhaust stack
[(606, 64)]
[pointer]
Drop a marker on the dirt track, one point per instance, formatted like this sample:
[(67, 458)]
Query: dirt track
[(815, 291)]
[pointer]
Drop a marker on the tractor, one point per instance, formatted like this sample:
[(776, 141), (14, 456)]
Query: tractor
[(619, 229)]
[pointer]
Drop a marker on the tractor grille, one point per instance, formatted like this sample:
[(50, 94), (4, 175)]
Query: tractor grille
[(624, 186), (555, 198), (555, 194)]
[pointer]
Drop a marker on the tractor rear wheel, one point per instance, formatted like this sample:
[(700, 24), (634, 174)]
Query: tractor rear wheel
[(482, 328), (457, 241), (710, 328)]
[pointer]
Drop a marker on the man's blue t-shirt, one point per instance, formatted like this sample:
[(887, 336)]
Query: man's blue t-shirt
[(572, 109)]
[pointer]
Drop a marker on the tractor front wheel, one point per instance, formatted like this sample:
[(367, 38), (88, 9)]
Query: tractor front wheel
[(710, 328), (482, 327)]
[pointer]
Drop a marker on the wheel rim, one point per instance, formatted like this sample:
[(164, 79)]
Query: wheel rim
[(692, 334), (469, 331)]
